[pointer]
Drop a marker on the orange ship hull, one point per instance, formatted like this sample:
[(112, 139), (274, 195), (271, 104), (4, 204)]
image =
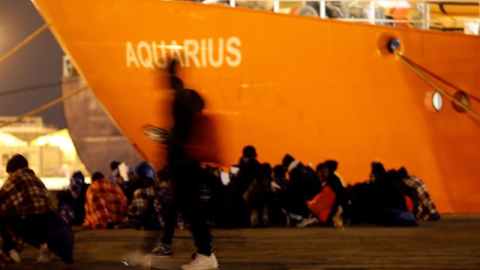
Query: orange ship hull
[(317, 89)]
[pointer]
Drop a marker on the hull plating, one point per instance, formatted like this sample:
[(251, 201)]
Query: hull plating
[(317, 89)]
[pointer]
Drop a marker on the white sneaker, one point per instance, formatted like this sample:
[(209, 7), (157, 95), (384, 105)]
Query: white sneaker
[(202, 262), (15, 256), (44, 255), (137, 258), (307, 221)]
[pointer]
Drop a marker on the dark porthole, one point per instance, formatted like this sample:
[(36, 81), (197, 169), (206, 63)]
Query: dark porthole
[(463, 98)]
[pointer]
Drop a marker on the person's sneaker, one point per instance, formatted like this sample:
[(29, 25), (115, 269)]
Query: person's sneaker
[(307, 221), (162, 250), (136, 258), (15, 256), (44, 255), (202, 262)]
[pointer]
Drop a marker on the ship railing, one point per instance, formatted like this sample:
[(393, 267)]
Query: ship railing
[(411, 14)]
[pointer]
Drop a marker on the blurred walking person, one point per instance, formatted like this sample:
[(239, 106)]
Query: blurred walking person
[(186, 174)]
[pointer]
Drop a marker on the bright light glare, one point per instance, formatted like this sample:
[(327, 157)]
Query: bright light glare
[(397, 4)]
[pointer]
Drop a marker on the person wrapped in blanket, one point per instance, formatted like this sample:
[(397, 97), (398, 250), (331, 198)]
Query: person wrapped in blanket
[(71, 202), (141, 211), (424, 207), (105, 204), (24, 206)]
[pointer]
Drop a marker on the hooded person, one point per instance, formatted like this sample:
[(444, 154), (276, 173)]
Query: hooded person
[(141, 211), (114, 172), (302, 186), (71, 202)]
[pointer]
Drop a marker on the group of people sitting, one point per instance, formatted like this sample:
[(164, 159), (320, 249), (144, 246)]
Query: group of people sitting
[(318, 195), (114, 202), (251, 194)]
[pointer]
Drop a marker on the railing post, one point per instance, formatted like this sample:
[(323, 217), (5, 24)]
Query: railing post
[(323, 13), (371, 14), (426, 16), (276, 6)]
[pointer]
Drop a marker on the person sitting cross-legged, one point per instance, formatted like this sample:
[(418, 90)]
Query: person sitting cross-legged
[(105, 203)]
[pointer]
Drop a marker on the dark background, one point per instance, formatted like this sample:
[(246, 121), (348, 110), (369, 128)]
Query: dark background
[(37, 63)]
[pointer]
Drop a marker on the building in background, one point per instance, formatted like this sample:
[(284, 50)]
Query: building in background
[(26, 129), (50, 152), (43, 160)]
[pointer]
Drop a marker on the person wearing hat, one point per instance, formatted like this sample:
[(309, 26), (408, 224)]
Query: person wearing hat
[(24, 204)]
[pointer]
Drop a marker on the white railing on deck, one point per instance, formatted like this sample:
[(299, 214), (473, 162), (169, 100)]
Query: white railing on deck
[(371, 10)]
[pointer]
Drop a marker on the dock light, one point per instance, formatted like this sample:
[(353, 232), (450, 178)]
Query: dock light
[(393, 45)]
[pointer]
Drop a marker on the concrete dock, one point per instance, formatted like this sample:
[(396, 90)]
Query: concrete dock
[(451, 243)]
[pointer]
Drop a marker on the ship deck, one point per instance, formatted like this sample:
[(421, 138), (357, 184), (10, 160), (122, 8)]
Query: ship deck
[(451, 243)]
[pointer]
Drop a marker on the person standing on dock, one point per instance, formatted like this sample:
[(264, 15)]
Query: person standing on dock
[(186, 174)]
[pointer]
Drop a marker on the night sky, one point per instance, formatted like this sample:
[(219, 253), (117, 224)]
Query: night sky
[(38, 63)]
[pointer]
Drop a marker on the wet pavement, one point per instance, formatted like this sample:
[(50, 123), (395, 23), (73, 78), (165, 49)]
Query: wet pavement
[(451, 243)]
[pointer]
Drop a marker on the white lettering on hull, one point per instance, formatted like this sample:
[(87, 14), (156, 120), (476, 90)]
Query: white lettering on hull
[(189, 53)]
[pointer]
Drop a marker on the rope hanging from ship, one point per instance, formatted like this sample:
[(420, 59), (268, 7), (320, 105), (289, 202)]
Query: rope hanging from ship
[(24, 42), (16, 49), (48, 105), (31, 88), (393, 47)]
